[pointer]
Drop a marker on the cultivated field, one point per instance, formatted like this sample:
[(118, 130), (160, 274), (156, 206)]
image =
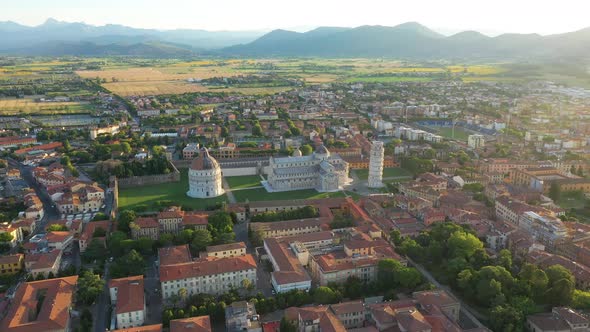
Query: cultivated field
[(170, 76), (29, 106)]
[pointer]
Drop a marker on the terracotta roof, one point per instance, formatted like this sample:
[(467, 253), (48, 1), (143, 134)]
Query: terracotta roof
[(228, 246), (11, 259), (55, 237), (438, 298), (54, 310), (347, 307), (206, 267), (174, 255), (146, 222), (192, 324), (147, 328), (42, 261), (130, 294)]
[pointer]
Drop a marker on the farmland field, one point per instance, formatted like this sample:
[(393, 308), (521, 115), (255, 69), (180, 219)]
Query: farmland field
[(29, 106)]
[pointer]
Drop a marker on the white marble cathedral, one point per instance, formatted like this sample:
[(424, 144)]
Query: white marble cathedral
[(376, 165), (320, 171), (204, 177)]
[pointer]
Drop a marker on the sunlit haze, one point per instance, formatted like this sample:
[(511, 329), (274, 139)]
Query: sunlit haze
[(491, 17)]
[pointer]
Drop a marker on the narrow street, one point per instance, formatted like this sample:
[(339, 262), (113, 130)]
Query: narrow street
[(101, 307)]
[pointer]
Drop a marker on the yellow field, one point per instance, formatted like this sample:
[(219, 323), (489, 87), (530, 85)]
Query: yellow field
[(23, 106), (178, 87)]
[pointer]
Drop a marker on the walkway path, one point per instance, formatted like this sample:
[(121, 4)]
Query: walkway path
[(230, 196)]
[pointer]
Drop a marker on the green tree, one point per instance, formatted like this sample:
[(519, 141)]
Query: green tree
[(505, 259), (57, 228), (125, 218), (306, 149), (201, 239), (555, 192), (506, 319), (89, 287), (130, 264), (324, 295), (287, 326), (94, 251), (462, 244)]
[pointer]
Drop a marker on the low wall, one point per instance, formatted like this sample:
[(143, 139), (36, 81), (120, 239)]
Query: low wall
[(137, 181)]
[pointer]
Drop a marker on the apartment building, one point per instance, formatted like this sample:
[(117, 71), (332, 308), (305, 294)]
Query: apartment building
[(226, 250), (41, 306), (11, 264), (210, 276), (241, 316), (192, 324), (559, 319), (127, 295), (43, 263)]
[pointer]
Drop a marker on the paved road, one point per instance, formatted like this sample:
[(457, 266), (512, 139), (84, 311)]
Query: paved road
[(51, 212), (465, 308), (152, 293), (230, 196), (100, 310)]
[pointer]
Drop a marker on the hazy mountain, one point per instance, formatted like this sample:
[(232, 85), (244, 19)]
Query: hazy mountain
[(413, 41), (19, 39), (409, 40)]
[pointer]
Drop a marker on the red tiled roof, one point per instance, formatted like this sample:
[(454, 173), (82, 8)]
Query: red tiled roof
[(130, 295), (54, 311), (206, 267), (192, 324)]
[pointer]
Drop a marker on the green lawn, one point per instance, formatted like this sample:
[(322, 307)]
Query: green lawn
[(363, 174), (175, 192), (460, 134), (574, 199), (239, 182), (260, 194)]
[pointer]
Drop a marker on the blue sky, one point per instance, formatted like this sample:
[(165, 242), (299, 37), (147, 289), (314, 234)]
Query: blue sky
[(447, 16)]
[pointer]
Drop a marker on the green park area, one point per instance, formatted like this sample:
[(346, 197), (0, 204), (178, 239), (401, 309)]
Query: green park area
[(391, 172), (242, 182), (260, 194), (152, 197)]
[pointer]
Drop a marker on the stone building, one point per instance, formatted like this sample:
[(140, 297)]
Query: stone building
[(320, 170), (376, 165), (205, 177)]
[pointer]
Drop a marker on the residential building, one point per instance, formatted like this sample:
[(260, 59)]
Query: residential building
[(127, 295), (226, 250), (241, 316), (560, 319), (43, 263), (210, 276), (11, 264), (191, 324), (41, 306), (476, 141)]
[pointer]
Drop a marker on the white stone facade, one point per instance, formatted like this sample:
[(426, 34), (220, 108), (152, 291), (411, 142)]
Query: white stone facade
[(376, 165), (320, 171), (205, 177)]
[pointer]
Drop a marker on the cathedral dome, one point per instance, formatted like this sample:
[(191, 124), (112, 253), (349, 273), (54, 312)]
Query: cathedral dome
[(297, 153), (204, 161), (322, 151)]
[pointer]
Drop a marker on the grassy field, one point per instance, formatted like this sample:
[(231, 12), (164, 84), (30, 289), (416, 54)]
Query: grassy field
[(170, 76), (260, 194), (28, 106), (240, 182), (363, 174), (175, 192), (460, 134), (572, 200)]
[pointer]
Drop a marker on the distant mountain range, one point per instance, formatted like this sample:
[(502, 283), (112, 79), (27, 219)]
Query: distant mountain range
[(62, 38), (413, 41), (409, 41)]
